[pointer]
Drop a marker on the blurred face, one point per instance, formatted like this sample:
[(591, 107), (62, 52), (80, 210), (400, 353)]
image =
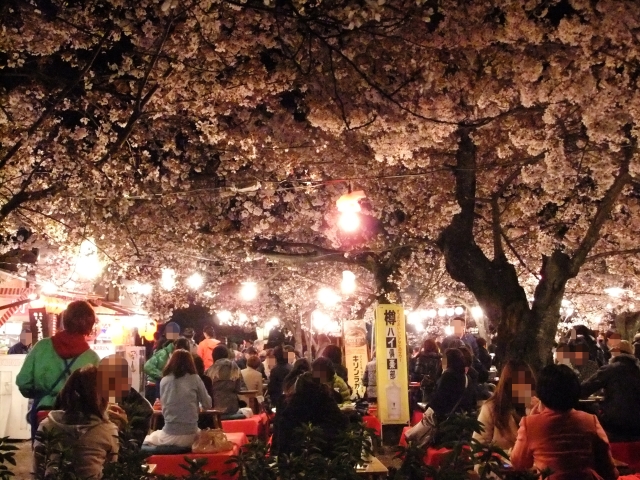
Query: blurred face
[(291, 357), (25, 338), (521, 391), (271, 361), (320, 375), (172, 332), (114, 378), (580, 357), (458, 328), (614, 342)]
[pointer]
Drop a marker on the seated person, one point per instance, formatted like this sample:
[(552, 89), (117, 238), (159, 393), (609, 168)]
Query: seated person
[(252, 377), (334, 353), (454, 392), (501, 414), (227, 382), (300, 366), (322, 369), (570, 443), (89, 439), (620, 380), (279, 368), (181, 394), (312, 402), (127, 407)]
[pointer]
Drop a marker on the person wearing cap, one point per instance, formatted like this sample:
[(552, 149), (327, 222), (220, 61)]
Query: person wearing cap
[(620, 380)]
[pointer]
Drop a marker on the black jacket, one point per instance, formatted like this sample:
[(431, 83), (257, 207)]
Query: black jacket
[(429, 364), (450, 388), (276, 382), (620, 380), (318, 409)]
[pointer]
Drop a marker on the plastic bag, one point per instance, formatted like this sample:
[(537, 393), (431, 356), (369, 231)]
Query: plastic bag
[(211, 441)]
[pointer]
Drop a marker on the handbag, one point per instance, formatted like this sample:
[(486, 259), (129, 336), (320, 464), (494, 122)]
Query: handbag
[(211, 441), (423, 433)]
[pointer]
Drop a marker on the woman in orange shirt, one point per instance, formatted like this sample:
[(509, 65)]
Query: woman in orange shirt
[(570, 443)]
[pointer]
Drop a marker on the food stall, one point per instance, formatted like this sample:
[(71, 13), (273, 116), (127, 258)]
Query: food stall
[(24, 306)]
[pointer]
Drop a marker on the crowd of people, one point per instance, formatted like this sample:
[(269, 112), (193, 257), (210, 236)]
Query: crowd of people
[(535, 417)]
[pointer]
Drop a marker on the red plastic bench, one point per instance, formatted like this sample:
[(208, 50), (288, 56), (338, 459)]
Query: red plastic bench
[(256, 426), (627, 452)]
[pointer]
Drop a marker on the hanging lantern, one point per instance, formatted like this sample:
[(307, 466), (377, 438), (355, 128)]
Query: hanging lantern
[(349, 206)]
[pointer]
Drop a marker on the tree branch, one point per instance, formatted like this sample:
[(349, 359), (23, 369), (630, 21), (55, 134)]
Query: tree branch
[(612, 253), (54, 102), (604, 209)]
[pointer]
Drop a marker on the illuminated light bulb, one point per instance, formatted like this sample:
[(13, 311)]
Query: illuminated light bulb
[(459, 310), (432, 313), (477, 313), (348, 284), (224, 316), (349, 206), (442, 312), (88, 264), (195, 281), (349, 221), (320, 320), (248, 291), (448, 330), (33, 296), (441, 300), (328, 297), (413, 318), (143, 288), (451, 312), (168, 279), (271, 324), (49, 288)]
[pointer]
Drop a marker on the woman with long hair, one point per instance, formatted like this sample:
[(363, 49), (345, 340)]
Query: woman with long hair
[(84, 432), (453, 392), (227, 382), (300, 366), (181, 394), (501, 414)]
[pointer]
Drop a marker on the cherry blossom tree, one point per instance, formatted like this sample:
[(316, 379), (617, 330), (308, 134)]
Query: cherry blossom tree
[(499, 136)]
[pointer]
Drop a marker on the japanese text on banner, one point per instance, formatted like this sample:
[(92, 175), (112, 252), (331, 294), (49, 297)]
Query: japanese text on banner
[(392, 377)]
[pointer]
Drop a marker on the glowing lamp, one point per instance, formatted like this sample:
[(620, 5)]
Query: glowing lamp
[(448, 330), (328, 297), (477, 313), (441, 300), (195, 281), (348, 284), (349, 206), (249, 291), (168, 280), (459, 310), (88, 265)]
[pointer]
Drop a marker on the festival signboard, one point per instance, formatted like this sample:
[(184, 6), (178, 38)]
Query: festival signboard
[(391, 365), (39, 324), (356, 356)]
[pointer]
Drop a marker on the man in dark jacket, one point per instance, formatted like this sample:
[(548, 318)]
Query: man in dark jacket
[(23, 346), (620, 380)]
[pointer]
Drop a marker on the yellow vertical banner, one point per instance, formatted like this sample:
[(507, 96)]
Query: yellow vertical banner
[(355, 353), (391, 365)]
